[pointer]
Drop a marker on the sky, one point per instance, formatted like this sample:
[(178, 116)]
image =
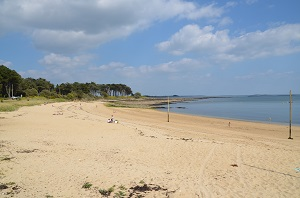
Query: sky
[(157, 47)]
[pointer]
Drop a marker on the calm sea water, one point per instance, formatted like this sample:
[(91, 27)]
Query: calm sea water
[(261, 108)]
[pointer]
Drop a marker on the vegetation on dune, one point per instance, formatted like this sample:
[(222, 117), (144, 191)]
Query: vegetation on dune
[(16, 91), (12, 85), (7, 105)]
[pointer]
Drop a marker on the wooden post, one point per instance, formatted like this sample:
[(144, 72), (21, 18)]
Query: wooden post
[(168, 109), (290, 136)]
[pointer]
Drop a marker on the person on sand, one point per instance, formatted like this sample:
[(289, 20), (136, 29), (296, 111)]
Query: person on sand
[(111, 120)]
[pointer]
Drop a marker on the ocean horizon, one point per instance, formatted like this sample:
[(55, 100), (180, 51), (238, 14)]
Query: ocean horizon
[(256, 108)]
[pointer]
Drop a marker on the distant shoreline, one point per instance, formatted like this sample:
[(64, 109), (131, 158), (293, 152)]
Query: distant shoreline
[(154, 102)]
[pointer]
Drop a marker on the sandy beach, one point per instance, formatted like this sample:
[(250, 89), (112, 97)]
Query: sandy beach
[(56, 150)]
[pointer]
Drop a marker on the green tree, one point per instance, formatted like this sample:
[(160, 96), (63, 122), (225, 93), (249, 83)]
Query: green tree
[(65, 88), (127, 90), (94, 89), (9, 80), (26, 83), (42, 84)]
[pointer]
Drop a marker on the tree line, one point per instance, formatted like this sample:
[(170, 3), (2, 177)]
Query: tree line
[(12, 85)]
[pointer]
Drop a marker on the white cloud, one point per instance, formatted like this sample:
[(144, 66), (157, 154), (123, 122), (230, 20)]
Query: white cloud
[(192, 38), (115, 70), (61, 26), (278, 41), (110, 66), (180, 66), (266, 74), (5, 63), (225, 21), (205, 41), (168, 68), (60, 68), (66, 41), (59, 61), (230, 4), (210, 11), (250, 2)]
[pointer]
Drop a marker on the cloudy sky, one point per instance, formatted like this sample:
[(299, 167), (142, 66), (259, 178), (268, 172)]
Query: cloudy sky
[(157, 47)]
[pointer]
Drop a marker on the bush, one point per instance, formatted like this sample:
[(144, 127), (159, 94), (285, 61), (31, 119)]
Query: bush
[(54, 95), (45, 93), (105, 192), (71, 96), (137, 95), (104, 94), (31, 92)]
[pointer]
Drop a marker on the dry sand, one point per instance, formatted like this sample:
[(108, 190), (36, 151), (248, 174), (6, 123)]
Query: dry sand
[(52, 150)]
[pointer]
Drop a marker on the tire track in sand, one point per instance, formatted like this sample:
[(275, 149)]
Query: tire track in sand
[(204, 192)]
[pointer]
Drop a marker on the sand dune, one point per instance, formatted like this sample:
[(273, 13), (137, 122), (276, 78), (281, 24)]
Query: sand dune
[(53, 150)]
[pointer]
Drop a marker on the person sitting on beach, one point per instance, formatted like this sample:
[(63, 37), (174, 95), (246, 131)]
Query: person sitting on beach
[(111, 120)]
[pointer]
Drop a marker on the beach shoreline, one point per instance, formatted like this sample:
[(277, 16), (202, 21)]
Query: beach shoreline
[(54, 149), (233, 119)]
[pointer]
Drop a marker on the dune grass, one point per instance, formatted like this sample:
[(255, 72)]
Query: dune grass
[(7, 105)]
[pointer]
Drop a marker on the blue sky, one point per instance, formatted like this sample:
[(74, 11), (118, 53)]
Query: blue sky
[(157, 47)]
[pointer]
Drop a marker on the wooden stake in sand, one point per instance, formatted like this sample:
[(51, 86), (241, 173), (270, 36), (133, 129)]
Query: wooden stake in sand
[(290, 137), (168, 109)]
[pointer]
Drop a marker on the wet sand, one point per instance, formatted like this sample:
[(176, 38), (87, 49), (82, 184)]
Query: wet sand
[(52, 150)]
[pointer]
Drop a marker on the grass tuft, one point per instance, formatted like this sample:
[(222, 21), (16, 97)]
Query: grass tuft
[(107, 192), (120, 194), (87, 185)]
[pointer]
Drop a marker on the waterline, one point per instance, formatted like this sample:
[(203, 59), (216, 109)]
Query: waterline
[(265, 108)]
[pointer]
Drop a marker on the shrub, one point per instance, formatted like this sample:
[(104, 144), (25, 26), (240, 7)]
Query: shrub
[(71, 96), (120, 194), (31, 92), (105, 192), (137, 95), (45, 93), (104, 94), (87, 185)]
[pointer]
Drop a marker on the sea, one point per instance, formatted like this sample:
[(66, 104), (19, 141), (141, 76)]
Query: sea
[(257, 108)]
